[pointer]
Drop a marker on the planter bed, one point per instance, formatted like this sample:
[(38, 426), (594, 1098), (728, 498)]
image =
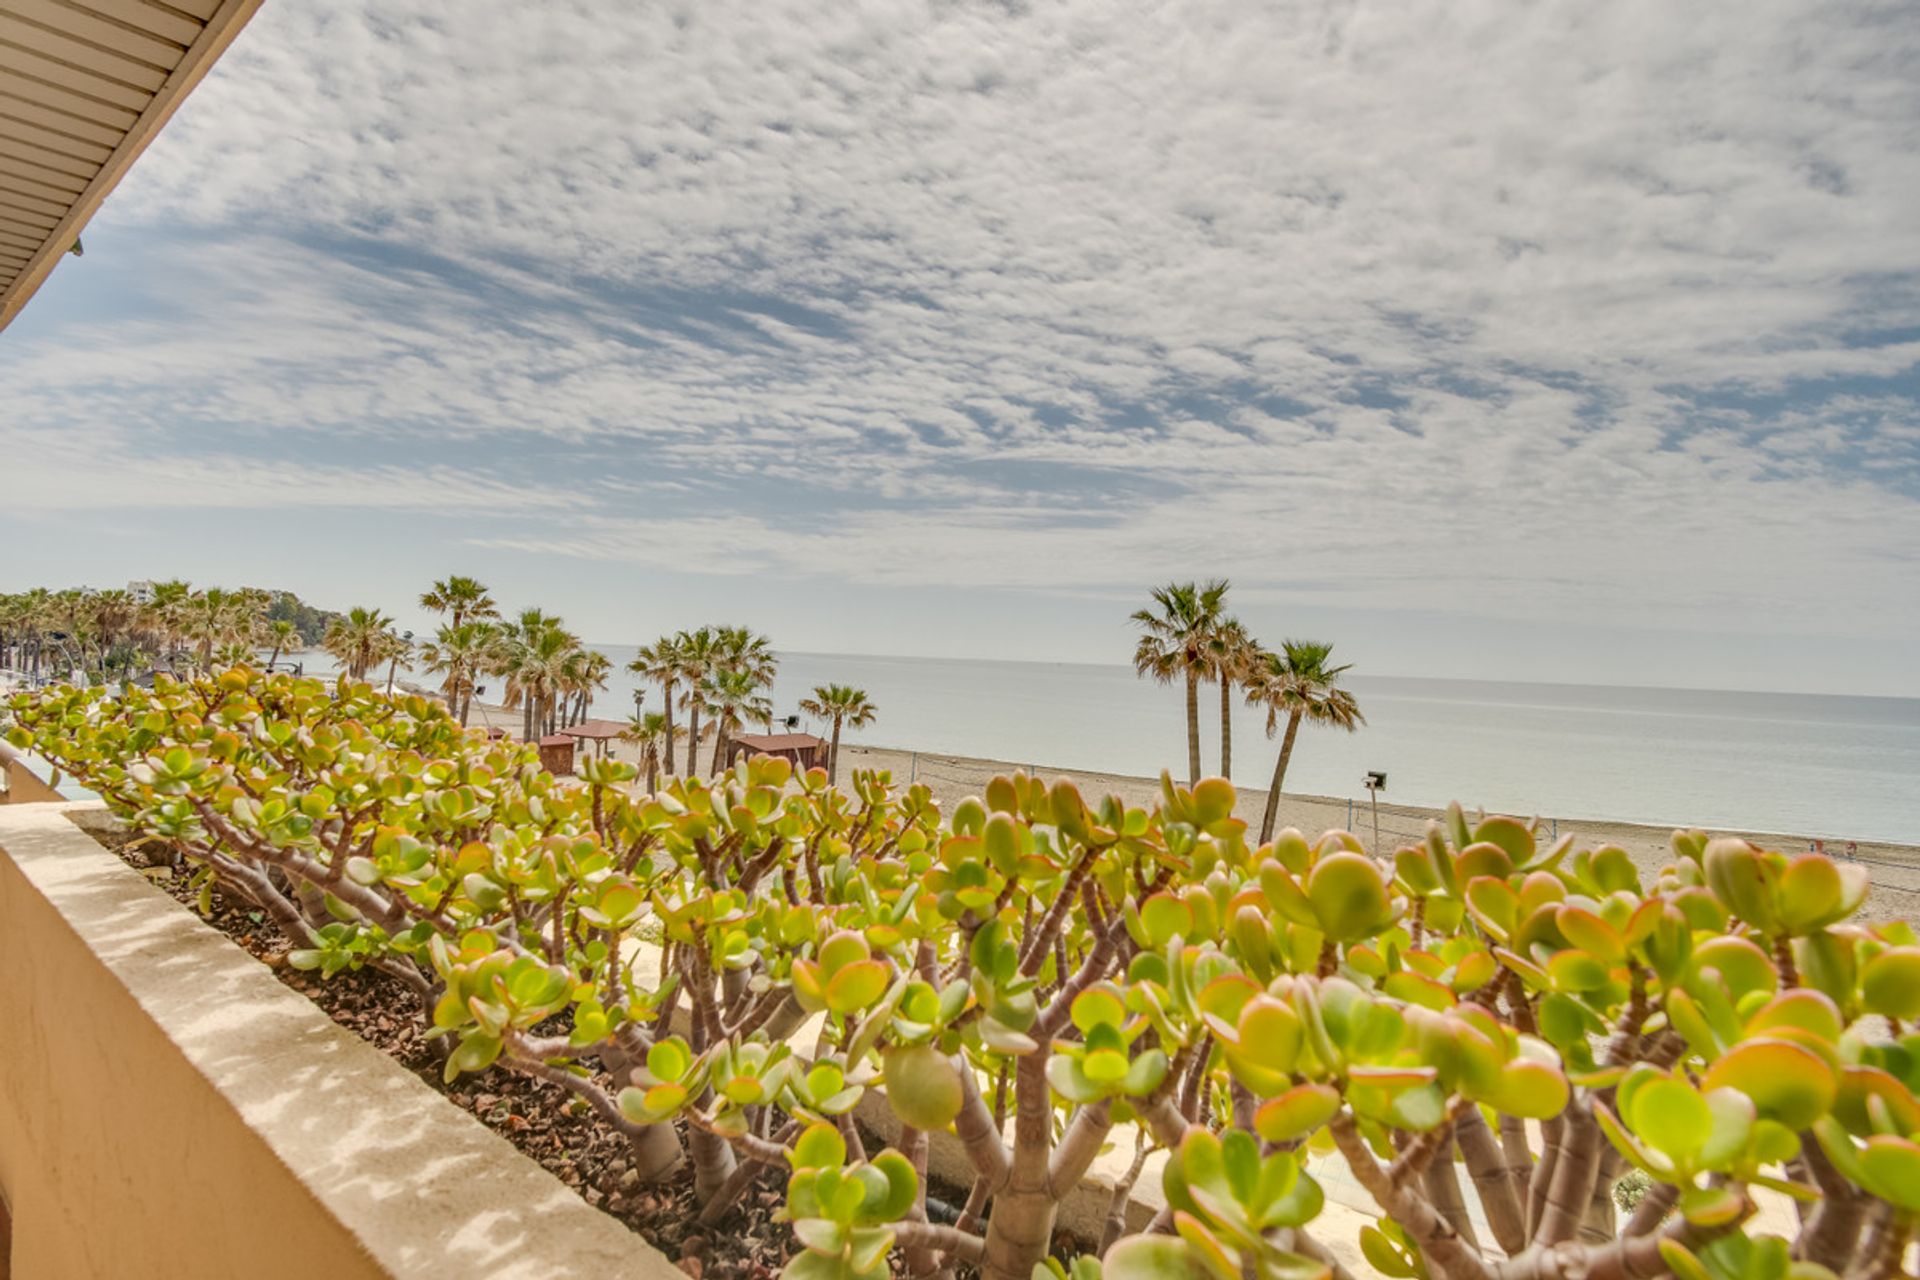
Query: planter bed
[(543, 1121), (166, 1109)]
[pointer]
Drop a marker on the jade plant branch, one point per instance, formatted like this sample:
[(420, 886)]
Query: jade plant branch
[(1488, 1030)]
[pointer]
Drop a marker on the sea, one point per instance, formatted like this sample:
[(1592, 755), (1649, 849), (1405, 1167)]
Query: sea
[(1804, 765)]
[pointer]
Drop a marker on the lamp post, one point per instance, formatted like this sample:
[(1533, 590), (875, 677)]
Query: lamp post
[(1376, 782)]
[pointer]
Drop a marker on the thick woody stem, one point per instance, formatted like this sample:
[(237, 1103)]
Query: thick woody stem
[(963, 1246), (1574, 1174), (1446, 1253), (921, 1258), (979, 1135), (1123, 1194), (1653, 1209), (1420, 1150), (1519, 1158), (1831, 1234), (1163, 1120), (742, 1177), (1627, 1258), (1020, 1228), (1307, 1245), (1078, 1147), (1487, 1165), (1443, 1189)]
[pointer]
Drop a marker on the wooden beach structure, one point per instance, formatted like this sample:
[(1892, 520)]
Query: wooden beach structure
[(601, 733), (803, 749), (556, 754)]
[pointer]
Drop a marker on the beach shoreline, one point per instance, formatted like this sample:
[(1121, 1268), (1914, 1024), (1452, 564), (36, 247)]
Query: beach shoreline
[(1895, 867)]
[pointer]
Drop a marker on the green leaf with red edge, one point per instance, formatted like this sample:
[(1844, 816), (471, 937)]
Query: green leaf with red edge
[(1164, 917), (1148, 1257), (1531, 1090), (1639, 1156), (1296, 1113), (1742, 966), (1858, 1084), (1590, 934), (1513, 836), (1787, 1082), (1349, 896), (1670, 1115), (1270, 1033), (1890, 983), (856, 986)]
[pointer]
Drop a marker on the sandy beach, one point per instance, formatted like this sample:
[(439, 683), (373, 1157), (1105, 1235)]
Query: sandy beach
[(1895, 868)]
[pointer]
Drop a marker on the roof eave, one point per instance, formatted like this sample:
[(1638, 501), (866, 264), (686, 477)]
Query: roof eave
[(199, 58)]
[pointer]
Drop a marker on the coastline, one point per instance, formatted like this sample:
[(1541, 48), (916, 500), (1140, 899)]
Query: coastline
[(1894, 867)]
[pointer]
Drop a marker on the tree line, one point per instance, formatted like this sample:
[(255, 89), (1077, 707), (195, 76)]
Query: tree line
[(121, 633), (719, 677)]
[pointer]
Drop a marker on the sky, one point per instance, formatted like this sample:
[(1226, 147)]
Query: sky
[(1541, 340)]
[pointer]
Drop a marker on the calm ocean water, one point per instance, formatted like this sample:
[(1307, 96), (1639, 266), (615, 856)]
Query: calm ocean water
[(1801, 764)]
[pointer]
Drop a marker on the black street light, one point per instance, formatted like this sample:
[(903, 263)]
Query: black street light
[(1376, 782)]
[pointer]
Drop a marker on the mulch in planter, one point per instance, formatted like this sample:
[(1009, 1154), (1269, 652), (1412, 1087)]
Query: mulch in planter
[(542, 1120)]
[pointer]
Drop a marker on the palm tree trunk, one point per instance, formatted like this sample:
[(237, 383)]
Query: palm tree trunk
[(666, 698), (693, 737), (1226, 728), (1193, 728), (1279, 777), (274, 656), (719, 744), (833, 755)]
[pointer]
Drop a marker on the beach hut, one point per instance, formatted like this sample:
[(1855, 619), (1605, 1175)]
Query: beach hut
[(601, 733), (803, 749), (556, 754)]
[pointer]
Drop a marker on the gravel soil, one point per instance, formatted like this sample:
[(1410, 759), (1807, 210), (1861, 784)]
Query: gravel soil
[(542, 1120)]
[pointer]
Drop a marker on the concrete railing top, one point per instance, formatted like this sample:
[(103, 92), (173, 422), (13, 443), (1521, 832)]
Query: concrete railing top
[(170, 1098)]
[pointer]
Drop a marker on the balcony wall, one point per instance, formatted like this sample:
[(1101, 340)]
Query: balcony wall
[(167, 1108)]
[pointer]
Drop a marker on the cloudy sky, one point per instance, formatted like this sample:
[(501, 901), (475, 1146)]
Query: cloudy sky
[(1544, 339)]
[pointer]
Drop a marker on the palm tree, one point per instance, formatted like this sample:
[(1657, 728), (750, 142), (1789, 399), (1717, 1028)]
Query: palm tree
[(842, 704), (1298, 683), (280, 631), (741, 650), (1177, 643), (354, 639), (660, 662), (699, 656), (465, 599), (585, 671), (163, 615), (393, 648), (734, 697), (214, 617), (534, 661), (462, 653), (1232, 652), (655, 734), (113, 615)]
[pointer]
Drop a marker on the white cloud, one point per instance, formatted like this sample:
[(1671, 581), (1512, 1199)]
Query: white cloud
[(1455, 307)]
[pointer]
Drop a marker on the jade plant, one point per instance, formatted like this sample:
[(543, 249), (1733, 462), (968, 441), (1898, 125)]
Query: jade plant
[(1488, 1029)]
